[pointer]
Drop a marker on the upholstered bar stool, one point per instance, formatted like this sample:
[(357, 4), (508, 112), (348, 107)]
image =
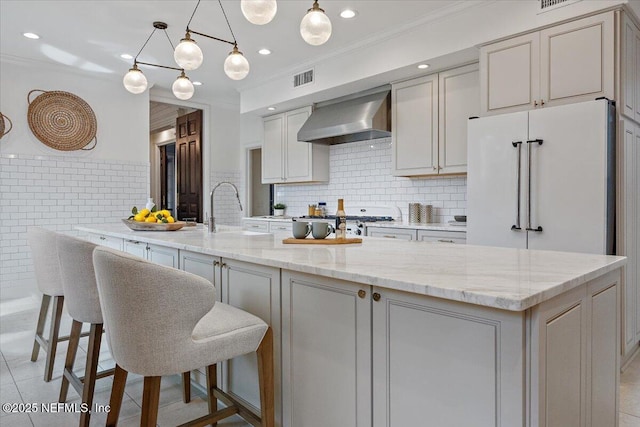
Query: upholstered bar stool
[(163, 321), (79, 284), (47, 271)]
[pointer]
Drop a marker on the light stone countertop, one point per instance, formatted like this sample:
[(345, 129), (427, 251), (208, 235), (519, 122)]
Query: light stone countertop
[(503, 278)]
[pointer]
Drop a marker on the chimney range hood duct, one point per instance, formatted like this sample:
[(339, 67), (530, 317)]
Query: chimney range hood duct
[(354, 118)]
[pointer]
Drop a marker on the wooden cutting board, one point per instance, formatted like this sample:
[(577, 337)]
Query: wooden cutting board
[(312, 241)]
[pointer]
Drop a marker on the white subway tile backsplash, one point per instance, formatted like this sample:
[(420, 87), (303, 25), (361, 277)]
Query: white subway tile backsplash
[(360, 173), (60, 193)]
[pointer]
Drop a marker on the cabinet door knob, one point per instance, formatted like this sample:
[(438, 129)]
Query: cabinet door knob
[(541, 102), (223, 265), (376, 296), (216, 263), (362, 293), (535, 103)]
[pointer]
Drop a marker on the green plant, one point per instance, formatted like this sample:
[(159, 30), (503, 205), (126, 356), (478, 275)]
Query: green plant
[(279, 206)]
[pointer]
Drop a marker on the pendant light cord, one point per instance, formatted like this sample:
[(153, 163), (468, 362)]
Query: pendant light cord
[(192, 15), (227, 19), (169, 38), (145, 43)]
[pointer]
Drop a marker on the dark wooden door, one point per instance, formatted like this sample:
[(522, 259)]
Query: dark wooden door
[(189, 165)]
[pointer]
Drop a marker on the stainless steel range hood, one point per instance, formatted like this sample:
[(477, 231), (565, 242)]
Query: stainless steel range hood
[(357, 117)]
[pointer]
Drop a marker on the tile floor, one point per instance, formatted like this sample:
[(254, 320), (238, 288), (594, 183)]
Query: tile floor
[(22, 381)]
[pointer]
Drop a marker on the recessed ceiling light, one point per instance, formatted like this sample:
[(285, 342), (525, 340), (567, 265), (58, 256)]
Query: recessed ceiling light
[(197, 83), (264, 52), (423, 66), (31, 36), (126, 56), (348, 13), (271, 108)]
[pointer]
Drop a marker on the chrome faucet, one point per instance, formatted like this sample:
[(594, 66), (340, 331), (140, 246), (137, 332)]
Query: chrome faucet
[(212, 220)]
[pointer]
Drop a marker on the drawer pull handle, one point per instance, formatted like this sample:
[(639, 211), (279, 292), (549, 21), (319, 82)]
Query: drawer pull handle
[(362, 293), (376, 296), (445, 241), (389, 236)]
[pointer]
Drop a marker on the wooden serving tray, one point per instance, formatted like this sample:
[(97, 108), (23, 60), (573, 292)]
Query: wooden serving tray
[(312, 241), (153, 226)]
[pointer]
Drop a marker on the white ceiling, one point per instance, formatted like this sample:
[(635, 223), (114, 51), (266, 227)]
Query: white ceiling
[(90, 35)]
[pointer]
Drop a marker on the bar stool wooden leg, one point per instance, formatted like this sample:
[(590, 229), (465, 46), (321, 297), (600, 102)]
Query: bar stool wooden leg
[(186, 387), (56, 315), (265, 375), (212, 384), (117, 392), (150, 401), (74, 340), (42, 319), (93, 351)]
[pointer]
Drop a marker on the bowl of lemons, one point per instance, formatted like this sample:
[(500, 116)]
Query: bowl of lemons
[(152, 220)]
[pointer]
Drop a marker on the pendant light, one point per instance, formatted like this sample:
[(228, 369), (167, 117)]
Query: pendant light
[(188, 54), (182, 88), (259, 12), (134, 81), (315, 27), (236, 66)]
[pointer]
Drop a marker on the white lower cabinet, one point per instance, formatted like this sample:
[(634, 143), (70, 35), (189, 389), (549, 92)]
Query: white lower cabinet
[(443, 363), (442, 236), (280, 226), (392, 233), (574, 356), (155, 253), (326, 352), (255, 289), (135, 247), (108, 241), (256, 225)]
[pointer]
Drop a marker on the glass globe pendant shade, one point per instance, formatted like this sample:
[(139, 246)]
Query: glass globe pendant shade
[(182, 88), (236, 65), (188, 54), (259, 12), (315, 27), (134, 81)]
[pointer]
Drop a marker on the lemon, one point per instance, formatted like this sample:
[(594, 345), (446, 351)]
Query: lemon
[(165, 213), (144, 212), (170, 219), (138, 217), (150, 219)]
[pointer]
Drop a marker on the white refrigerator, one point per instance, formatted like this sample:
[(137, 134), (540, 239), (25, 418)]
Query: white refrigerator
[(543, 179)]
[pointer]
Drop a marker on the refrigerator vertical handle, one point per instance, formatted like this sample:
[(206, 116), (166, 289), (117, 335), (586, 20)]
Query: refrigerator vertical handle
[(518, 145), (529, 227)]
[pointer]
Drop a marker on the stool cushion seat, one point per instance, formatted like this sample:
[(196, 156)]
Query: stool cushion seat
[(162, 321)]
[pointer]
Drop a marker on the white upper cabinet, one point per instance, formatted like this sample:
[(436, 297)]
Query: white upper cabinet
[(567, 63), (630, 69), (459, 95), (429, 122), (414, 126), (287, 160)]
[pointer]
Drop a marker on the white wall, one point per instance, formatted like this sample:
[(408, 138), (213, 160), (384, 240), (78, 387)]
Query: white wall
[(122, 118), (40, 186)]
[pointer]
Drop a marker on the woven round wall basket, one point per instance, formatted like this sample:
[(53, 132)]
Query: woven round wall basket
[(3, 129), (62, 120)]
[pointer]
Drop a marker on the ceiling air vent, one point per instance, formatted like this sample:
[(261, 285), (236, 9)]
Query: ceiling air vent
[(303, 78), (547, 5)]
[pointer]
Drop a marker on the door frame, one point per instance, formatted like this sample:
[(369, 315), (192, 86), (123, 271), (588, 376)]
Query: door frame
[(247, 169), (205, 142)]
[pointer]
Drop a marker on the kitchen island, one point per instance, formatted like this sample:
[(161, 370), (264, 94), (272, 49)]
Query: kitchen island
[(394, 333)]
